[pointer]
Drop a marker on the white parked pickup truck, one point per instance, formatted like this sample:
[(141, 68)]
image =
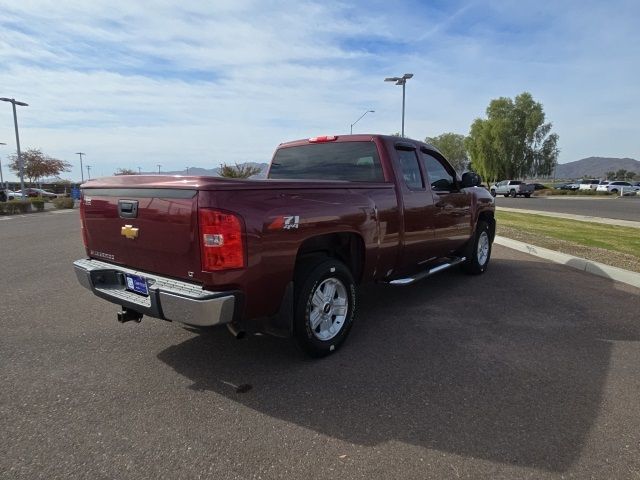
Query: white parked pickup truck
[(589, 184), (512, 188)]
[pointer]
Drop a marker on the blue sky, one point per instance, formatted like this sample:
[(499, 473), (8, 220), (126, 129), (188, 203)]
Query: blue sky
[(196, 83)]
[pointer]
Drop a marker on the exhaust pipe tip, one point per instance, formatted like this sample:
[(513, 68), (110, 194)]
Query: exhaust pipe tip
[(129, 315)]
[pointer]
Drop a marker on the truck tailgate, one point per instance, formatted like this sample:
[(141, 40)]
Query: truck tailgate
[(150, 229)]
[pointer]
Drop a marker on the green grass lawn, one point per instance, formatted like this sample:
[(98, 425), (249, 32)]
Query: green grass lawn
[(609, 237)]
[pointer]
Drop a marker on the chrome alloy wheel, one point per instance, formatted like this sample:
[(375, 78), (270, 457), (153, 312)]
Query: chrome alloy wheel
[(328, 309), (483, 248)]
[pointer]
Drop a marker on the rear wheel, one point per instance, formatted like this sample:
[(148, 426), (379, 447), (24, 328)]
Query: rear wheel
[(479, 251), (512, 193), (527, 195), (493, 193), (325, 301)]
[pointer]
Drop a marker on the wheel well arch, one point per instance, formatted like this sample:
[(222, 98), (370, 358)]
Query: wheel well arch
[(348, 247), (489, 217)]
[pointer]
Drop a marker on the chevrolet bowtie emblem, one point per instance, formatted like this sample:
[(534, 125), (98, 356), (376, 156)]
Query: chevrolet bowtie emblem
[(129, 231)]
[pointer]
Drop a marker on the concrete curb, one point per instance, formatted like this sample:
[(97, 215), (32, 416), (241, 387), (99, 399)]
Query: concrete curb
[(570, 216), (596, 268)]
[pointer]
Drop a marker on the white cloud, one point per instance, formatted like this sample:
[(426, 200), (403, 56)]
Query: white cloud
[(198, 84)]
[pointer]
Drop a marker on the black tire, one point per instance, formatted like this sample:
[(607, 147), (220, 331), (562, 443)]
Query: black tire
[(527, 195), (614, 191), (473, 265), (309, 279), (493, 193), (512, 193)]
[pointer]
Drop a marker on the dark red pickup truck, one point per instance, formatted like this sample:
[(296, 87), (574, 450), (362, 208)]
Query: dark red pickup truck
[(283, 255)]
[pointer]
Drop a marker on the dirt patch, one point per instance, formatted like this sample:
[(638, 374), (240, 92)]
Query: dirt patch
[(608, 257)]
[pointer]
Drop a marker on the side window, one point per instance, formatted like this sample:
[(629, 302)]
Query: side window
[(440, 178), (410, 169)]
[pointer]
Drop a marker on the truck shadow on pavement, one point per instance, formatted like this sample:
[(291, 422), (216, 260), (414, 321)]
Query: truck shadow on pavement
[(509, 368)]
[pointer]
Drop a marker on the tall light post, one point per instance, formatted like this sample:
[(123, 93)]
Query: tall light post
[(401, 81), (13, 103), (361, 117), (159, 168), (80, 154), (139, 171), (88, 172), (1, 178)]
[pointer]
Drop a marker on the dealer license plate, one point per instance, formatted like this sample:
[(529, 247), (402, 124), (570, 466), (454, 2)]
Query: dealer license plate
[(137, 284)]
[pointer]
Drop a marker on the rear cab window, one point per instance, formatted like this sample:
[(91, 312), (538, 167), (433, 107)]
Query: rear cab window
[(350, 161)]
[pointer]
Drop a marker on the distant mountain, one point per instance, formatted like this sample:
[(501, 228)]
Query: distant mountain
[(215, 172), (596, 167)]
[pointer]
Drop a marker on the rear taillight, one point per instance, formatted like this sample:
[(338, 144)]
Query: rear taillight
[(220, 240), (83, 228)]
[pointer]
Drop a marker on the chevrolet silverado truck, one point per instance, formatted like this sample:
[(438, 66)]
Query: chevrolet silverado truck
[(512, 188), (283, 255)]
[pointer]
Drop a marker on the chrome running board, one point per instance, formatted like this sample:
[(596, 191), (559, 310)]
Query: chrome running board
[(401, 282)]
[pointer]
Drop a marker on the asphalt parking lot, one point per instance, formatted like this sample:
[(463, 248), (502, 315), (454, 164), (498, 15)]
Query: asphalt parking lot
[(530, 371), (625, 208)]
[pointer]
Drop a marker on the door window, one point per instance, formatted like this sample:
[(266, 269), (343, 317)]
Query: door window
[(440, 178)]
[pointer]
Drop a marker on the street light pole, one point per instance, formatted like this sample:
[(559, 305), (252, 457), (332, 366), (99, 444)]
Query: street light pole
[(81, 171), (159, 168), (401, 81), (1, 178), (88, 172), (15, 102), (361, 116)]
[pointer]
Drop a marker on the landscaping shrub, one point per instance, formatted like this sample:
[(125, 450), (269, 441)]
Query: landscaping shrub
[(17, 206), (38, 204), (63, 202), (2, 207)]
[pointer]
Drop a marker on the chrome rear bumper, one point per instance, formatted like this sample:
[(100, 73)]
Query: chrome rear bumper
[(168, 299)]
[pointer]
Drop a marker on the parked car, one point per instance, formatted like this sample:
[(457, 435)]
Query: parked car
[(37, 192), (567, 186), (284, 255), (589, 184), (512, 188), (617, 187), (7, 195)]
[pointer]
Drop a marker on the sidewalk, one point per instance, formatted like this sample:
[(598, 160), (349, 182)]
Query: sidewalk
[(569, 216), (596, 268)]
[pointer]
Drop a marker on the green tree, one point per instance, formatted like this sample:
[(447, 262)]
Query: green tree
[(452, 146), (631, 176), (38, 165), (621, 174), (125, 171), (238, 171), (610, 175), (513, 141)]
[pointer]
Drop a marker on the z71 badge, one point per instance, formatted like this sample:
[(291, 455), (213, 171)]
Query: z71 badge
[(285, 223)]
